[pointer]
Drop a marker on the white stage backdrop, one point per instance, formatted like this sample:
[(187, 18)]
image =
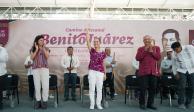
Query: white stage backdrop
[(124, 37)]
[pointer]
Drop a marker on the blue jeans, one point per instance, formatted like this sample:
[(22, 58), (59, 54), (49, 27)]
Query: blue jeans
[(70, 78)]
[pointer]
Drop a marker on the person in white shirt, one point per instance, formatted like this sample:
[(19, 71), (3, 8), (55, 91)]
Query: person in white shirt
[(135, 65), (166, 64), (183, 68), (166, 68), (70, 63), (110, 64), (3, 71), (28, 65)]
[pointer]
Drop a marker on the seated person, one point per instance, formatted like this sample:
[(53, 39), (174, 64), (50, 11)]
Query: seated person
[(166, 67)]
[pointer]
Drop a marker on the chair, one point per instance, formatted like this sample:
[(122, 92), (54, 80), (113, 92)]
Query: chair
[(85, 86), (53, 86), (131, 83), (168, 82), (78, 84), (105, 86), (12, 87)]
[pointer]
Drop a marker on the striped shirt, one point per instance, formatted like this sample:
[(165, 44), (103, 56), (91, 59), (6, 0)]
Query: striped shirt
[(40, 60), (184, 61)]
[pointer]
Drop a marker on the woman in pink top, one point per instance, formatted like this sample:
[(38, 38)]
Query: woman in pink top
[(40, 71), (96, 71)]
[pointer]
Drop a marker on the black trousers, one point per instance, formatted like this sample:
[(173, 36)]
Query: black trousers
[(185, 88), (31, 86), (2, 87), (165, 89), (110, 81), (147, 82)]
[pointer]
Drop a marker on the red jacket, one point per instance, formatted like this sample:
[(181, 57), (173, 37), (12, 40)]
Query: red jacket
[(148, 61)]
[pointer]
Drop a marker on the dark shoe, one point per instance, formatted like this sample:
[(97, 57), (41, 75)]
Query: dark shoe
[(112, 98), (151, 107), (74, 99), (188, 106), (37, 105), (142, 107), (44, 105), (181, 106)]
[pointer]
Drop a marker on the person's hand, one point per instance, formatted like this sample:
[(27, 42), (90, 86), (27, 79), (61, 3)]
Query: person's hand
[(29, 63), (150, 48), (146, 48), (72, 68), (113, 62), (108, 65), (36, 45), (69, 69), (177, 76), (104, 78)]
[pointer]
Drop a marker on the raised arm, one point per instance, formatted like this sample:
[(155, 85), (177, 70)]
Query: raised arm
[(88, 40)]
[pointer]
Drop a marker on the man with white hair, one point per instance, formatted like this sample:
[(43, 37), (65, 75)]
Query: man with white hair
[(148, 57), (110, 64), (3, 71)]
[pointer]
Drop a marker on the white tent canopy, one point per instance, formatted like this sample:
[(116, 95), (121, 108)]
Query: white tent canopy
[(178, 4), (103, 9)]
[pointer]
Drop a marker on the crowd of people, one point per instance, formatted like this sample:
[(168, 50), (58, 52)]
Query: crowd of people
[(149, 63)]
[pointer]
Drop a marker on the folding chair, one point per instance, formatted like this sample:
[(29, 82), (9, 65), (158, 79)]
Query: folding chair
[(85, 86), (53, 86), (131, 83), (168, 82), (12, 88)]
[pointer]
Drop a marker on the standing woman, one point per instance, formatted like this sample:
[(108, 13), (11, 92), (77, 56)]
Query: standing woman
[(39, 55), (96, 71)]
